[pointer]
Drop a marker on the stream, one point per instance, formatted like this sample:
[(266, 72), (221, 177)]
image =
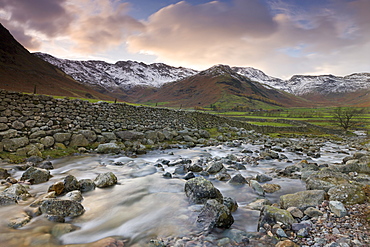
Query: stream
[(144, 204)]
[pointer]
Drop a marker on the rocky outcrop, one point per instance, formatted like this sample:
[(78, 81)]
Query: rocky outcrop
[(271, 215), (36, 175), (105, 180), (302, 199), (200, 190), (215, 214), (63, 208)]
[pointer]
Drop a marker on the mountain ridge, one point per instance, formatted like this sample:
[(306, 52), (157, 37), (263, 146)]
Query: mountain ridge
[(218, 86), (126, 75)]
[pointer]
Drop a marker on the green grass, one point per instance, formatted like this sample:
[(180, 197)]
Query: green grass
[(12, 158), (270, 124)]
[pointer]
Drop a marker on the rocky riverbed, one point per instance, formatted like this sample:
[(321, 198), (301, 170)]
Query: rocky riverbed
[(257, 191)]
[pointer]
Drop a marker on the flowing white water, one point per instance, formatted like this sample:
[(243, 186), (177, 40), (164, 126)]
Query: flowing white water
[(144, 204)]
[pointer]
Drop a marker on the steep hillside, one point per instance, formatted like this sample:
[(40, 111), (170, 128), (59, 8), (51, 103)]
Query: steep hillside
[(218, 85), (23, 72)]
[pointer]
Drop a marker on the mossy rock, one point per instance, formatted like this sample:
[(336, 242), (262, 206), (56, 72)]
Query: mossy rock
[(347, 194)]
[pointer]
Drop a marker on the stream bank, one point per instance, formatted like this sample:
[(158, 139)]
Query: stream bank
[(147, 205)]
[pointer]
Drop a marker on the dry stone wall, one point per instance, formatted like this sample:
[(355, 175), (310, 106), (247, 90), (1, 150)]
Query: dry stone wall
[(30, 123)]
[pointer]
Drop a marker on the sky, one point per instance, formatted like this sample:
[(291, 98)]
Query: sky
[(280, 37)]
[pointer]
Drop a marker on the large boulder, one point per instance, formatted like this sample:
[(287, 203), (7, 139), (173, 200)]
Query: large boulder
[(4, 173), (337, 208), (36, 175), (86, 185), (302, 199), (215, 167), (13, 144), (129, 135), (108, 148), (109, 136), (5, 200), (62, 137), (63, 208), (355, 167), (89, 135), (326, 179), (257, 187), (204, 134), (47, 141), (71, 183), (272, 215), (347, 194), (199, 190), (16, 191), (78, 140), (215, 214), (57, 187), (238, 179), (231, 204), (105, 180)]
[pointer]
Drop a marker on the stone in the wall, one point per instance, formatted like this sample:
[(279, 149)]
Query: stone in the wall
[(29, 150), (47, 141), (168, 134), (3, 126), (129, 135), (151, 135), (37, 134), (30, 123), (204, 134), (62, 137), (17, 125), (13, 144), (78, 140), (89, 135), (8, 134), (109, 136)]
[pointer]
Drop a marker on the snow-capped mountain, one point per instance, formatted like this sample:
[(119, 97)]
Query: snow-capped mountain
[(306, 84), (328, 84), (259, 76), (122, 74), (128, 74)]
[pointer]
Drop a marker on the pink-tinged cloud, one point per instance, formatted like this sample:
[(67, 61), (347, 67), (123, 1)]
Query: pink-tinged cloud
[(101, 25), (203, 32), (47, 17), (278, 38), (89, 26), (245, 33)]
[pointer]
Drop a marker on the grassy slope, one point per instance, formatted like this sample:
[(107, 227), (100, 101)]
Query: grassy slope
[(21, 71)]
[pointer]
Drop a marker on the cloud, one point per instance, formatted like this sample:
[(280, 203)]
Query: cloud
[(101, 25), (46, 17), (205, 32), (281, 42), (90, 26), (278, 37)]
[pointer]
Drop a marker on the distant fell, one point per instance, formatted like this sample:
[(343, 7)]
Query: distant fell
[(218, 86)]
